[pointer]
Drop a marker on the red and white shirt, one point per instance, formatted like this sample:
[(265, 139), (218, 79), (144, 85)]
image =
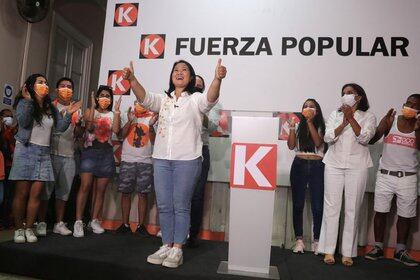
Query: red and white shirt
[(400, 150)]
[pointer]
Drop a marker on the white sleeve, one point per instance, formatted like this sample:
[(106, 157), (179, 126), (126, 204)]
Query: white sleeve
[(203, 104), (152, 101), (368, 129), (329, 136)]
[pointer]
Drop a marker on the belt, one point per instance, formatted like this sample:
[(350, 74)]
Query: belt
[(398, 174)]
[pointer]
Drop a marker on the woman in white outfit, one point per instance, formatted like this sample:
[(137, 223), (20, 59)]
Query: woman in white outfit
[(347, 160)]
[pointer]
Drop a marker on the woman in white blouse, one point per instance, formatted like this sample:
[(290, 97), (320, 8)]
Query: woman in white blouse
[(347, 160), (177, 151)]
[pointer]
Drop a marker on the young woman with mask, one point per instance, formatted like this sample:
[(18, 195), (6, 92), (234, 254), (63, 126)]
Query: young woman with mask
[(97, 159), (177, 154), (348, 132), (32, 167), (307, 169)]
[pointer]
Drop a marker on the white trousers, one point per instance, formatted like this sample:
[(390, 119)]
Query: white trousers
[(353, 182)]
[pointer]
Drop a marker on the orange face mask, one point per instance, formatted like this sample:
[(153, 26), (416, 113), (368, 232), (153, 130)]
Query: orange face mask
[(138, 109), (65, 93), (104, 102), (308, 112), (409, 113), (41, 89)]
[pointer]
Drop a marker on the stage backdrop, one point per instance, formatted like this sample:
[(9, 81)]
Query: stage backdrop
[(278, 53)]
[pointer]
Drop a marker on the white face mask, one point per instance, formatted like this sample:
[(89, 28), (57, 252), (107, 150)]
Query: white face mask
[(348, 99), (8, 121)]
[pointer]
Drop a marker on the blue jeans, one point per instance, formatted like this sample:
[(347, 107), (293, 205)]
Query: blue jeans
[(307, 173), (174, 186)]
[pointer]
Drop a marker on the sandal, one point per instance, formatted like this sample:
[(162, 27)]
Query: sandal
[(329, 259), (347, 261)]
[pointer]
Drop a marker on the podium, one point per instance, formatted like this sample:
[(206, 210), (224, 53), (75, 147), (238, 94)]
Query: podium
[(253, 176)]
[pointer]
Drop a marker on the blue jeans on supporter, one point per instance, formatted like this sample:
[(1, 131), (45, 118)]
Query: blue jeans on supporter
[(307, 173), (174, 187)]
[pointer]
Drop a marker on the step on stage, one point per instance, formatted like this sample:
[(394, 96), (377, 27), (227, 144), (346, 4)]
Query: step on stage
[(110, 256)]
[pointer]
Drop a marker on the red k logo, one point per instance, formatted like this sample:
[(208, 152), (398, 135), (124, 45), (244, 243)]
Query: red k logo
[(126, 14), (253, 166), (152, 46), (117, 82)]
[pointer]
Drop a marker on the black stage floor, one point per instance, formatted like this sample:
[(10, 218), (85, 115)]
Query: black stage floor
[(110, 256)]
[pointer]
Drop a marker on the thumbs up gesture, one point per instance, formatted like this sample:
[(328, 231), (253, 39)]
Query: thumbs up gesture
[(128, 72), (220, 72)]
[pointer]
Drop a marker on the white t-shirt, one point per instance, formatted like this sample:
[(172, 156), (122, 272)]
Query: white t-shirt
[(400, 150), (41, 133), (178, 136), (137, 146)]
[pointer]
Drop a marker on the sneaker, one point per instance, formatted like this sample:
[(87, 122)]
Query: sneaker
[(314, 247), (30, 236), (19, 236), (61, 228), (123, 229), (299, 246), (41, 229), (142, 231), (96, 227), (174, 258), (160, 255), (159, 234), (375, 254), (405, 258), (78, 229)]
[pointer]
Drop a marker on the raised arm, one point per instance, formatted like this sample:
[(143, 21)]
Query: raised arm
[(384, 126), (116, 124), (138, 89), (214, 89)]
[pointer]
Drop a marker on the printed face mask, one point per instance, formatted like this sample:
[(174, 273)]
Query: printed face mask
[(65, 93), (409, 113), (41, 89), (104, 102), (348, 99)]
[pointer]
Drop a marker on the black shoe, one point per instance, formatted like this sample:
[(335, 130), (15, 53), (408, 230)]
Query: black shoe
[(123, 229), (375, 254), (405, 258), (142, 231), (192, 242)]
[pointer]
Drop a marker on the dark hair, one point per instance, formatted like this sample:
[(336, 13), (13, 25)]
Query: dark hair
[(414, 95), (306, 144), (111, 93), (65, 79), (363, 103), (39, 111), (3, 111), (204, 84), (191, 85)]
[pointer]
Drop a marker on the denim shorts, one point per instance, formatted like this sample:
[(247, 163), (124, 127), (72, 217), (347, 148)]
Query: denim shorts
[(31, 162), (99, 162), (135, 176)]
